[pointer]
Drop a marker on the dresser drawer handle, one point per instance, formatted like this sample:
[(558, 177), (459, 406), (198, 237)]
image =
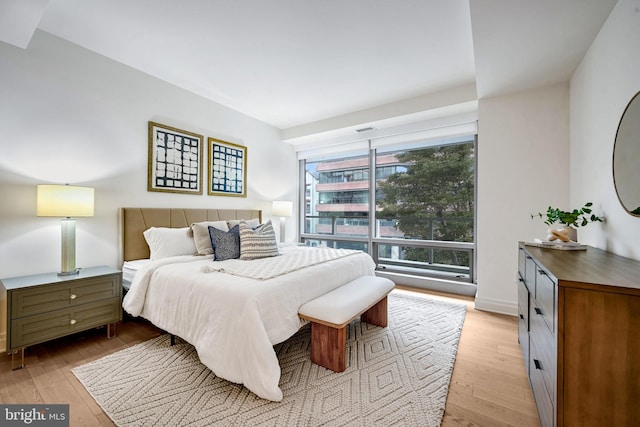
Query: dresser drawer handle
[(541, 271), (73, 322), (73, 296), (522, 317), (538, 311), (537, 363)]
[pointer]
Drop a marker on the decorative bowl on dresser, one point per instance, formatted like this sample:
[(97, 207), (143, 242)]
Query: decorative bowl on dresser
[(42, 307), (579, 330)]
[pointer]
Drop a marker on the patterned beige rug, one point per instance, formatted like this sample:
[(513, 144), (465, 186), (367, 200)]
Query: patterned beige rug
[(397, 375)]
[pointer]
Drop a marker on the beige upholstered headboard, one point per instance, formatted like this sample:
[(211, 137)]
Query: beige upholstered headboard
[(134, 221)]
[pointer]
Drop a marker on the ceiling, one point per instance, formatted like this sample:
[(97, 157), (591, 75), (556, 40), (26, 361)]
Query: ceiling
[(295, 62)]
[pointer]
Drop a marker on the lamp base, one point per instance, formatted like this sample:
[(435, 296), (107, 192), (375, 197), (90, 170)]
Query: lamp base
[(68, 250), (282, 231), (69, 273)]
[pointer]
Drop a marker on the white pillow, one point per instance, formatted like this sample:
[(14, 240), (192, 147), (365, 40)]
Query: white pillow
[(253, 223), (201, 236), (166, 242)]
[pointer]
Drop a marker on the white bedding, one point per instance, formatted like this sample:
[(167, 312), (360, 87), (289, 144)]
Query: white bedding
[(130, 268), (233, 321), (268, 268)]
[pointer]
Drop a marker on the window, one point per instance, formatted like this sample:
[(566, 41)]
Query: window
[(423, 214), (337, 197)]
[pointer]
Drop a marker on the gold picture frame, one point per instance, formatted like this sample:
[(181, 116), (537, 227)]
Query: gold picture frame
[(227, 169), (175, 160)]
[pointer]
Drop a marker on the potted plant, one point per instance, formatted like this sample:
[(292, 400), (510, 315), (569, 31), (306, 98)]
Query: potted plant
[(570, 219)]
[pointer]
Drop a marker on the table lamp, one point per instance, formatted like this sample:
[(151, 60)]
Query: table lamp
[(65, 201), (283, 209)]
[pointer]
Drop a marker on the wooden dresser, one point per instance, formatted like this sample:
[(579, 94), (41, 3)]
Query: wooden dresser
[(579, 330)]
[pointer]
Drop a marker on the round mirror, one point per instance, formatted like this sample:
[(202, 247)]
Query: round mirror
[(626, 158)]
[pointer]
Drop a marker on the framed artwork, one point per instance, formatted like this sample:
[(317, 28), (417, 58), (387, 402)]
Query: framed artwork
[(175, 160), (227, 169)]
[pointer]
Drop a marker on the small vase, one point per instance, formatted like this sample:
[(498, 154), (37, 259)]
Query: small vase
[(564, 234), (570, 232)]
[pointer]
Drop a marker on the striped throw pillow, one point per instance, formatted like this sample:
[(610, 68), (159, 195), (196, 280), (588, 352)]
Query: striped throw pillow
[(259, 242)]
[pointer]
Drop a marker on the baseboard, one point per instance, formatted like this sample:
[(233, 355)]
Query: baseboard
[(429, 283), (496, 306)]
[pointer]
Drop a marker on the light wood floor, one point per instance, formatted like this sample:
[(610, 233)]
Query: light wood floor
[(488, 386)]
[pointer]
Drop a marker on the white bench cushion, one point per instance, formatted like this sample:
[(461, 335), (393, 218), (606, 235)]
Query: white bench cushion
[(344, 303)]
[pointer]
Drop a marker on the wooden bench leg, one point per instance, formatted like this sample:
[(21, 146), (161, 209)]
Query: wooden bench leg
[(328, 346), (376, 315)]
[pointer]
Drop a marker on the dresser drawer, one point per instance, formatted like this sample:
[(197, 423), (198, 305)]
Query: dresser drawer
[(530, 273), (543, 354), (545, 296), (522, 262), (523, 322), (523, 304), (43, 327), (544, 402), (523, 340), (45, 298)]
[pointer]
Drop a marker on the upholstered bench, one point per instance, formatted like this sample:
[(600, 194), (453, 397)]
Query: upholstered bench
[(332, 312)]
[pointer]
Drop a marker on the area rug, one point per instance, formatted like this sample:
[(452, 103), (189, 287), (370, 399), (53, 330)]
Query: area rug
[(397, 375)]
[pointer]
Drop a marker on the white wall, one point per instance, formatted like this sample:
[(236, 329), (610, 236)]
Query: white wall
[(601, 87), (68, 115), (523, 167), (554, 146)]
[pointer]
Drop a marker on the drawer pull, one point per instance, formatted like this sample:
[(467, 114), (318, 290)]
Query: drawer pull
[(73, 296), (537, 363), (522, 317), (541, 271), (538, 311), (73, 322), (520, 279)]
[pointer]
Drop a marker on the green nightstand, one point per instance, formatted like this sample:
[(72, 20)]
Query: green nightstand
[(47, 306)]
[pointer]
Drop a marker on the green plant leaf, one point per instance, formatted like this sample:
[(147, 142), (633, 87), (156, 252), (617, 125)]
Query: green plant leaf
[(575, 218)]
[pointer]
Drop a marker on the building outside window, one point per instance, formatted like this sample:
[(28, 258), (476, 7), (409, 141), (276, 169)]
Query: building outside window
[(422, 218)]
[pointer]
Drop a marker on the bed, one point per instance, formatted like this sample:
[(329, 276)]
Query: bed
[(231, 311)]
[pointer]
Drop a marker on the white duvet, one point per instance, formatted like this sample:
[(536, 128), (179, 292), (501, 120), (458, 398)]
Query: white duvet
[(233, 321)]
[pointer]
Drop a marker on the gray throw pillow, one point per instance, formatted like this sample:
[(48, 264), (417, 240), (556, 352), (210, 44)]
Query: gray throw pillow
[(225, 244)]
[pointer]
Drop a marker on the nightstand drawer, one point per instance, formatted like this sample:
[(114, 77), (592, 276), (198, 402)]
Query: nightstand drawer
[(46, 298), (43, 327)]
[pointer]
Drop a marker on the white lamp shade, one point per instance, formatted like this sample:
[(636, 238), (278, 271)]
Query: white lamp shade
[(282, 208), (64, 200)]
